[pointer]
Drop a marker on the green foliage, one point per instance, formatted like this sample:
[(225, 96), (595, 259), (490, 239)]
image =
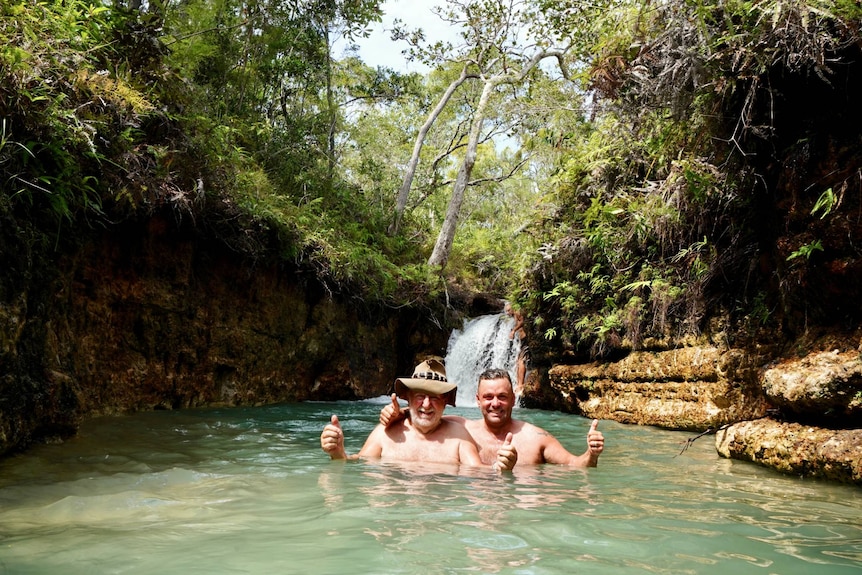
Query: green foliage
[(567, 294), (651, 225), (626, 217), (631, 262), (229, 129), (66, 114), (760, 311), (824, 203), (806, 250)]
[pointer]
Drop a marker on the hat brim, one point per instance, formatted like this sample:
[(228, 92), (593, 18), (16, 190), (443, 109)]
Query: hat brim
[(447, 388)]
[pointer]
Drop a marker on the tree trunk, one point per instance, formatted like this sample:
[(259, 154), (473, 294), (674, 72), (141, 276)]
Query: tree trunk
[(330, 109), (404, 190), (443, 246)]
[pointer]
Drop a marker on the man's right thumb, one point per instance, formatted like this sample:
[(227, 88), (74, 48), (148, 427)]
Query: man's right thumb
[(334, 420)]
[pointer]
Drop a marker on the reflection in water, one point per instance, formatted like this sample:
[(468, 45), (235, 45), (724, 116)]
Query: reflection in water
[(249, 491)]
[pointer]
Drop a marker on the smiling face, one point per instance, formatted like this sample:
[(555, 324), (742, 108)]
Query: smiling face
[(426, 409), (496, 399)]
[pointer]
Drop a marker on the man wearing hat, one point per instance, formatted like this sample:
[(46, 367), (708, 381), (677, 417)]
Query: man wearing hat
[(424, 435), (495, 397)]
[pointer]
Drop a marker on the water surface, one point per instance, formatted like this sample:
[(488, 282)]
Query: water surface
[(248, 490)]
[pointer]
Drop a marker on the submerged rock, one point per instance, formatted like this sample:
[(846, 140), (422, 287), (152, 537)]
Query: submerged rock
[(796, 449)]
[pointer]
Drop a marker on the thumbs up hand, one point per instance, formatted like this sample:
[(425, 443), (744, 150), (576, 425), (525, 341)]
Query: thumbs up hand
[(507, 455), (595, 440), (391, 413), (332, 439)]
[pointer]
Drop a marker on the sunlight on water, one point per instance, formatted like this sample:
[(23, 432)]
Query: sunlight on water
[(250, 491)]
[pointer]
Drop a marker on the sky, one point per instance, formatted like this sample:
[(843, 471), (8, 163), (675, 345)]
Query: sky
[(380, 50)]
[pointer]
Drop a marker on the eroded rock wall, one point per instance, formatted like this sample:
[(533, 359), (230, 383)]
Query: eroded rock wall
[(815, 430), (823, 386), (800, 414), (692, 388), (793, 448), (155, 318)]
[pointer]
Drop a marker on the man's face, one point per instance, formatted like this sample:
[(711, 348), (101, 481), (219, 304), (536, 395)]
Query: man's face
[(495, 399), (426, 409)]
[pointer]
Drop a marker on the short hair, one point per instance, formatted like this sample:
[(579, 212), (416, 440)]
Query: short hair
[(495, 373)]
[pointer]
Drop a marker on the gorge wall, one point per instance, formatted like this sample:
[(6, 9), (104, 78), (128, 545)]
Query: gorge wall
[(156, 317)]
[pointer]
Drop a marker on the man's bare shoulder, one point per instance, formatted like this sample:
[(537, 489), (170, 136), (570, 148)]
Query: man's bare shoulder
[(396, 430), (531, 442), (473, 425), (377, 439), (454, 427), (528, 430)]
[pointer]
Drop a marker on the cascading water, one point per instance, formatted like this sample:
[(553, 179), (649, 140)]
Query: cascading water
[(482, 344)]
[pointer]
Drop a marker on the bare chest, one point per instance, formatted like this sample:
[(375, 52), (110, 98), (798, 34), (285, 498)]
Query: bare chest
[(446, 451)]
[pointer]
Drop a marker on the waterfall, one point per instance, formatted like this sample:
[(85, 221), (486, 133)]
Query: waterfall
[(482, 344)]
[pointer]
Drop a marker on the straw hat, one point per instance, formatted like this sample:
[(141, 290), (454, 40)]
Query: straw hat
[(430, 377)]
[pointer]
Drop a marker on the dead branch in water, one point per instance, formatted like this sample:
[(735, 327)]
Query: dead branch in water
[(690, 441)]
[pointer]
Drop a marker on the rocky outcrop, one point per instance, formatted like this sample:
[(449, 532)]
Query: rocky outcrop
[(691, 388), (819, 398), (799, 415), (824, 386), (154, 318), (796, 449)]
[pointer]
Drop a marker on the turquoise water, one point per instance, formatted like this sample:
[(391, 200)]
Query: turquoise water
[(248, 490)]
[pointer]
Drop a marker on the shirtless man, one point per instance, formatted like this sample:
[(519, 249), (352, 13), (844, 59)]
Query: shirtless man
[(425, 435), (496, 399)]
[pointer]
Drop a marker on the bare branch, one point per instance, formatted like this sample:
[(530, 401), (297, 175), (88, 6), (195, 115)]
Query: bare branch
[(502, 177), (690, 441)]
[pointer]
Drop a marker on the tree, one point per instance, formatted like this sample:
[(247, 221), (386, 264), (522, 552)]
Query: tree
[(410, 171), (347, 18), (266, 72), (499, 53)]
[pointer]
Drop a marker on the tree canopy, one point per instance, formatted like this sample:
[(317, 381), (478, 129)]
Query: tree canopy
[(625, 171)]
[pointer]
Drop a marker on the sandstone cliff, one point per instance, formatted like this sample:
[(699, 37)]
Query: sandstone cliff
[(155, 317)]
